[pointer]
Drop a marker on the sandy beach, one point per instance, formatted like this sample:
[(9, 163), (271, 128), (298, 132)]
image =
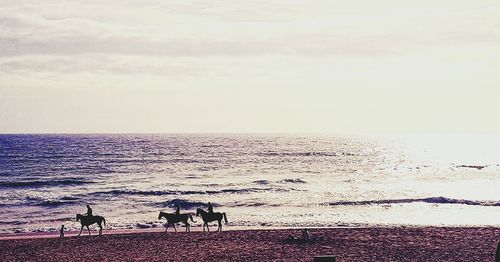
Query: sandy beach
[(346, 244)]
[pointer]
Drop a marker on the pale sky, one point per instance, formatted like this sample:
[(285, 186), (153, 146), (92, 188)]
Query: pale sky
[(249, 66)]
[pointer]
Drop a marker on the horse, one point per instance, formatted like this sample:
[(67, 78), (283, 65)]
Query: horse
[(89, 220), (209, 217), (176, 218)]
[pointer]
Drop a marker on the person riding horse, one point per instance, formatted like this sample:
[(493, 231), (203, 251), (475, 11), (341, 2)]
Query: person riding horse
[(177, 209), (210, 208), (174, 218), (209, 217), (89, 211), (88, 219)]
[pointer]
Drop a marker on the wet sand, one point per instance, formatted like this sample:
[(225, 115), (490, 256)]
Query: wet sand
[(346, 244)]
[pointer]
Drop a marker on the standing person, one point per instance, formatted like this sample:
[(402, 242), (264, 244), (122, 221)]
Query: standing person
[(89, 211), (61, 231), (177, 209), (210, 208)]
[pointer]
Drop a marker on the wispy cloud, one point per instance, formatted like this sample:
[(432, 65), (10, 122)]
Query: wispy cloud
[(323, 51)]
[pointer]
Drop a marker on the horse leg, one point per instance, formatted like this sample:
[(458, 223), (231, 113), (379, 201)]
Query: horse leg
[(88, 230), (80, 231), (100, 229), (173, 224), (220, 225), (208, 228), (187, 226), (168, 224)]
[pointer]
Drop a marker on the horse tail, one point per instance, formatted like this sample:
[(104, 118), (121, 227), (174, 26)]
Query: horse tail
[(225, 218), (190, 216)]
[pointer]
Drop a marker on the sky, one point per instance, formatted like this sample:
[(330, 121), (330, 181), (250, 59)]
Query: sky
[(249, 66)]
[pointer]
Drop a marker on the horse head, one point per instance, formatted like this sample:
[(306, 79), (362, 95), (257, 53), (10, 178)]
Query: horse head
[(160, 215), (78, 217), (199, 211)]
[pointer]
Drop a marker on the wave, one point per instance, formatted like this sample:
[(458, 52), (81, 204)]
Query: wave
[(478, 167), (70, 198), (282, 181), (292, 180), (184, 204), (432, 200), (55, 203), (243, 190), (11, 223), (302, 154), (42, 183), (49, 203), (181, 192), (251, 204), (261, 182), (145, 192)]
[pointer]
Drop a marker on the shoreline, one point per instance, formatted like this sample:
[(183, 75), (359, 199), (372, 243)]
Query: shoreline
[(94, 231), (347, 244)]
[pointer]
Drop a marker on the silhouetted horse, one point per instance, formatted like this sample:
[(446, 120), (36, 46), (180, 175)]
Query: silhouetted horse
[(89, 220), (209, 217), (176, 218)]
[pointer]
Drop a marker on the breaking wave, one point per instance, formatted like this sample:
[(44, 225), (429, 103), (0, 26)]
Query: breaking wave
[(292, 180), (302, 154), (119, 192), (55, 203), (41, 183), (432, 200), (184, 204), (48, 202)]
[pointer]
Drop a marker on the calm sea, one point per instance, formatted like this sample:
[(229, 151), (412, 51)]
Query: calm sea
[(258, 180)]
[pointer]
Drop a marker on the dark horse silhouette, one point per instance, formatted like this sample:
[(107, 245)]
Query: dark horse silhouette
[(89, 220), (209, 217), (176, 218)]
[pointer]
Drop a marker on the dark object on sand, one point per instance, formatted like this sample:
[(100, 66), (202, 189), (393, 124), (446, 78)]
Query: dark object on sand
[(324, 259), (61, 231), (497, 255), (305, 235), (306, 238)]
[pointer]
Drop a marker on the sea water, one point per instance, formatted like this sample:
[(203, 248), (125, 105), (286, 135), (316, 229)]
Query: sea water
[(257, 180)]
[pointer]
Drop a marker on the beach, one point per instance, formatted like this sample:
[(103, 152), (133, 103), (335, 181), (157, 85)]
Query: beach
[(346, 244)]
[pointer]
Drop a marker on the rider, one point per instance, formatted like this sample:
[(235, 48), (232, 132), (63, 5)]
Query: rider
[(210, 208), (177, 209), (89, 211)]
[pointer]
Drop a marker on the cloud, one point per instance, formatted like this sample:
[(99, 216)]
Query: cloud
[(116, 64), (334, 59), (190, 36)]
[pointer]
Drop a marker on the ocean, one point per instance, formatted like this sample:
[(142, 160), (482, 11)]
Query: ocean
[(257, 180)]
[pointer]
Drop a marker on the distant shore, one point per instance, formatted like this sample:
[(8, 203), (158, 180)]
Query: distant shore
[(346, 244)]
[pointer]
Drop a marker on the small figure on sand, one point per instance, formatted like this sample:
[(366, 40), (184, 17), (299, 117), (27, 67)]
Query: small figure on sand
[(61, 231), (210, 208), (89, 211), (177, 209), (305, 235), (306, 238)]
